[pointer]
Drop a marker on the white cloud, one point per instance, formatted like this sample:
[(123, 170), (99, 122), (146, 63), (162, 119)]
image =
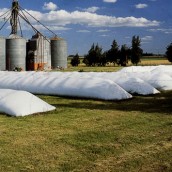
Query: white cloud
[(83, 31), (4, 14), (38, 15), (91, 9), (58, 20), (50, 6), (53, 27), (104, 35), (147, 38), (166, 31), (3, 10), (63, 18), (139, 6), (39, 27), (110, 1), (103, 30), (127, 37)]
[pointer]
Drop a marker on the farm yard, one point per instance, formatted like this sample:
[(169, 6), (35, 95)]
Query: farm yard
[(91, 135), (80, 91)]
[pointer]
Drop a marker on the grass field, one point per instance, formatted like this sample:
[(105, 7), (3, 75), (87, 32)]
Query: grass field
[(149, 61), (91, 135), (83, 68)]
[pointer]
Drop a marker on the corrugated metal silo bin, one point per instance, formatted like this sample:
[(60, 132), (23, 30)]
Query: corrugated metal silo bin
[(15, 53), (58, 53), (48, 53), (2, 54)]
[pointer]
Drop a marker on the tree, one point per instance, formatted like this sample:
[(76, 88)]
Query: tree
[(136, 51), (75, 60), (88, 59), (103, 59), (97, 55), (94, 56), (169, 52), (124, 55), (113, 53)]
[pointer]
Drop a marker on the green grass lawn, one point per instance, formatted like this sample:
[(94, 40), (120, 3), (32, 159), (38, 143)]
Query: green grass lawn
[(91, 136)]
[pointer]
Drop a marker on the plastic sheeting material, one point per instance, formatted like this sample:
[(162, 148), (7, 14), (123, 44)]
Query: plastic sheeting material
[(21, 103), (160, 77), (97, 85), (52, 83)]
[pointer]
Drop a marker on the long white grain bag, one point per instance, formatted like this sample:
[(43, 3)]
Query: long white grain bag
[(21, 103), (44, 83), (133, 85)]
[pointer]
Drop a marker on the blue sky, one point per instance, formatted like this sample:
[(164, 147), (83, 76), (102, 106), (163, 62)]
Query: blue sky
[(84, 22)]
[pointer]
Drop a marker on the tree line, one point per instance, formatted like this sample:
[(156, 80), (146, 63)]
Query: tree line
[(116, 54)]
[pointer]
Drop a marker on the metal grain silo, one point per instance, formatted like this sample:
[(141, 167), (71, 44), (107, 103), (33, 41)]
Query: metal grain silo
[(15, 52), (38, 53), (58, 53), (2, 54)]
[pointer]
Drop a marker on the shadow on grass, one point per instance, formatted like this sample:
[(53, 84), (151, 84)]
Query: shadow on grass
[(160, 103)]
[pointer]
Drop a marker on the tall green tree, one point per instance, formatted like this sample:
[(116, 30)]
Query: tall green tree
[(103, 60), (136, 51), (94, 56), (124, 55), (97, 55), (113, 54), (88, 58), (75, 61), (169, 52)]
